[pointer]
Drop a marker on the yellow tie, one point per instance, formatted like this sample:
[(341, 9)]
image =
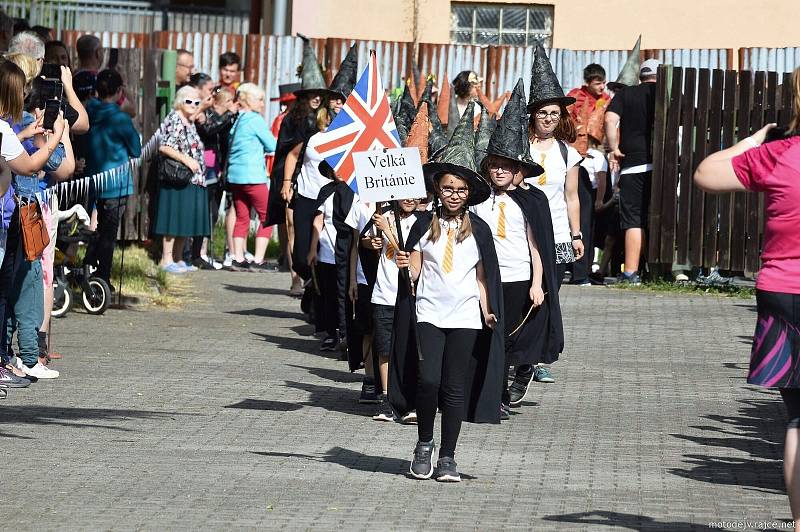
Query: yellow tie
[(501, 220), (543, 176), (447, 262), (389, 251)]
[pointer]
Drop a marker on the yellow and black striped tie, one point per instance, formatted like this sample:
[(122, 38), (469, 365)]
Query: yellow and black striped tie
[(543, 176), (447, 262), (501, 220), (389, 251)]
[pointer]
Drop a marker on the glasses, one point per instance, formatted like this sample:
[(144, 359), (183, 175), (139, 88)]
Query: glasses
[(459, 192), (188, 101), (503, 166), (554, 115), (190, 67)]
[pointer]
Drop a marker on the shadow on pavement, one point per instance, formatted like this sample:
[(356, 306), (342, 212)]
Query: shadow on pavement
[(301, 345), (261, 404), (72, 417), (758, 430), (256, 290), (335, 375), (332, 398), (268, 313), (623, 520), (354, 460)]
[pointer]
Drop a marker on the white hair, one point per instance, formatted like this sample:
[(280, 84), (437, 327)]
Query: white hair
[(250, 90), (183, 94), (28, 43)]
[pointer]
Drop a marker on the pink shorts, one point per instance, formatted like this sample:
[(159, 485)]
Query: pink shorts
[(49, 252)]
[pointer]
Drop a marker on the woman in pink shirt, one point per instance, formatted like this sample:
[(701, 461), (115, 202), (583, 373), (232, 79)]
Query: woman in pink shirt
[(772, 168)]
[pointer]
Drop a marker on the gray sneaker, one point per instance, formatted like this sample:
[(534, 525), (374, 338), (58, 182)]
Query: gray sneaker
[(9, 380), (422, 464), (446, 470)]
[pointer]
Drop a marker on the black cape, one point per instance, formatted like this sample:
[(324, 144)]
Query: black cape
[(484, 384), (541, 338), (292, 133)]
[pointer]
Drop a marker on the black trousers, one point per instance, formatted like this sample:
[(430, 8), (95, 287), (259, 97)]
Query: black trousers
[(516, 301), (326, 303), (214, 199), (582, 267), (304, 212), (441, 382), (7, 274), (101, 250)]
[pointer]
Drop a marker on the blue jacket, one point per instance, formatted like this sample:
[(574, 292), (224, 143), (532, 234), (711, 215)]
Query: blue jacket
[(250, 138), (27, 186), (111, 141)]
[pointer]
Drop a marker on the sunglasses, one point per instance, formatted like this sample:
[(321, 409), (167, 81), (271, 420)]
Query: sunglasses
[(188, 101)]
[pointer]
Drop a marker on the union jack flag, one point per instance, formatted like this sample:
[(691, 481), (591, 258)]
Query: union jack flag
[(364, 123)]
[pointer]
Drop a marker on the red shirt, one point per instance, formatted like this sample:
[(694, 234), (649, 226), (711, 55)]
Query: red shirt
[(587, 113), (774, 169)]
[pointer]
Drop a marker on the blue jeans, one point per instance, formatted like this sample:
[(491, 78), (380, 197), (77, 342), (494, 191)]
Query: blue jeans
[(25, 309)]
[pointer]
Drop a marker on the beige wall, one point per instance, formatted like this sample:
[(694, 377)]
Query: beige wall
[(663, 23)]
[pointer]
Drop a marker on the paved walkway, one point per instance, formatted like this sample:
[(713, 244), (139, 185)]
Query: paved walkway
[(224, 415)]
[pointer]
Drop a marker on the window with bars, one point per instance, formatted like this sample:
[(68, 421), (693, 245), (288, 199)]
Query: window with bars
[(520, 25)]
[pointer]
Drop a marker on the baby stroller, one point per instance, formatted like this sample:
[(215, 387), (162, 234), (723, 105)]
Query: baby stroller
[(69, 272)]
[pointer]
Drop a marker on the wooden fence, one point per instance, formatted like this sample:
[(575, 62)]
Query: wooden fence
[(698, 112)]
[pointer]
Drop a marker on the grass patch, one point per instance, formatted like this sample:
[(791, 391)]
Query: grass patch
[(143, 279), (739, 292)]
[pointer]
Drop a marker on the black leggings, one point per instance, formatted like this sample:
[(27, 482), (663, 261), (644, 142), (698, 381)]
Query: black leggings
[(516, 301), (326, 303), (441, 382), (791, 398)]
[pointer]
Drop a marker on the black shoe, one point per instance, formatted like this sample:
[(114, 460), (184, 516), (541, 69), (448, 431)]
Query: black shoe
[(329, 344), (237, 266), (446, 470), (518, 388), (422, 464), (368, 394), (199, 262), (385, 411), (504, 415), (263, 267)]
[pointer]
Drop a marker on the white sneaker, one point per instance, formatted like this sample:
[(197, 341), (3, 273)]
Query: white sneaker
[(40, 371), (217, 265), (249, 257), (16, 362), (228, 262)]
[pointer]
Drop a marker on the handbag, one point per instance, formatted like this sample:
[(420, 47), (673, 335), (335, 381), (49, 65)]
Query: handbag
[(173, 173), (35, 237)]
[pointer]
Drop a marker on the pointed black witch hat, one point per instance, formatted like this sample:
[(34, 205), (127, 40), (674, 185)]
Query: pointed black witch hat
[(459, 159), (545, 88), (427, 94), (510, 137), (310, 72), (345, 79), (629, 75), (486, 126), (405, 114), (437, 140)]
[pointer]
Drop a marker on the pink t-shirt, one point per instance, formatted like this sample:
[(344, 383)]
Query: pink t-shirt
[(774, 168)]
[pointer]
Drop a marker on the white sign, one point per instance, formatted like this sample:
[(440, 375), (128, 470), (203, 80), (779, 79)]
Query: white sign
[(391, 174)]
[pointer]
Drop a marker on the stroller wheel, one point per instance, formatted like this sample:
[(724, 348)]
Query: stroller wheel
[(63, 303), (96, 296)]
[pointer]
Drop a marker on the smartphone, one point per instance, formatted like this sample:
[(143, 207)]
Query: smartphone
[(50, 71), (51, 109), (52, 89)]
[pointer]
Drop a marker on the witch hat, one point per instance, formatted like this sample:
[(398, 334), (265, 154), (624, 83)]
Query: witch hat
[(405, 114), (437, 140), (444, 99), (510, 136), (545, 88), (419, 133), (310, 71), (459, 159), (427, 93), (629, 75), (486, 126), (345, 79), (453, 117)]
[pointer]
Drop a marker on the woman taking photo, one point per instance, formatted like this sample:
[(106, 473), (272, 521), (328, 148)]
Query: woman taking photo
[(250, 139), (772, 167), (458, 305), (551, 131), (182, 211)]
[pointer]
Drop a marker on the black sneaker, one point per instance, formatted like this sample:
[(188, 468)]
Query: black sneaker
[(329, 344), (9, 380), (385, 412), (199, 262), (237, 266), (519, 388), (422, 464), (446, 470), (262, 267), (368, 394)]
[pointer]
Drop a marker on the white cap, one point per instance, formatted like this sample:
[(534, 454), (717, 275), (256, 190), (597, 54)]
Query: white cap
[(649, 67)]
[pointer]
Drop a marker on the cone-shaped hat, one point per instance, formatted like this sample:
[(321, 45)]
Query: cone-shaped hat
[(545, 88), (485, 129), (629, 75), (437, 140), (310, 71), (405, 114), (427, 93), (345, 79), (510, 137), (444, 99), (419, 134), (459, 159), (452, 113)]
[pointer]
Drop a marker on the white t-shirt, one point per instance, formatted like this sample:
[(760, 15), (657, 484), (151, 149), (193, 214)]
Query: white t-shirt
[(12, 147), (594, 162), (513, 253), (449, 300), (360, 214), (385, 291), (310, 180), (553, 181), (327, 237)]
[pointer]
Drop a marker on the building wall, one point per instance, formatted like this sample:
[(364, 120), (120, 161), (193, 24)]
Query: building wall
[(617, 23)]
